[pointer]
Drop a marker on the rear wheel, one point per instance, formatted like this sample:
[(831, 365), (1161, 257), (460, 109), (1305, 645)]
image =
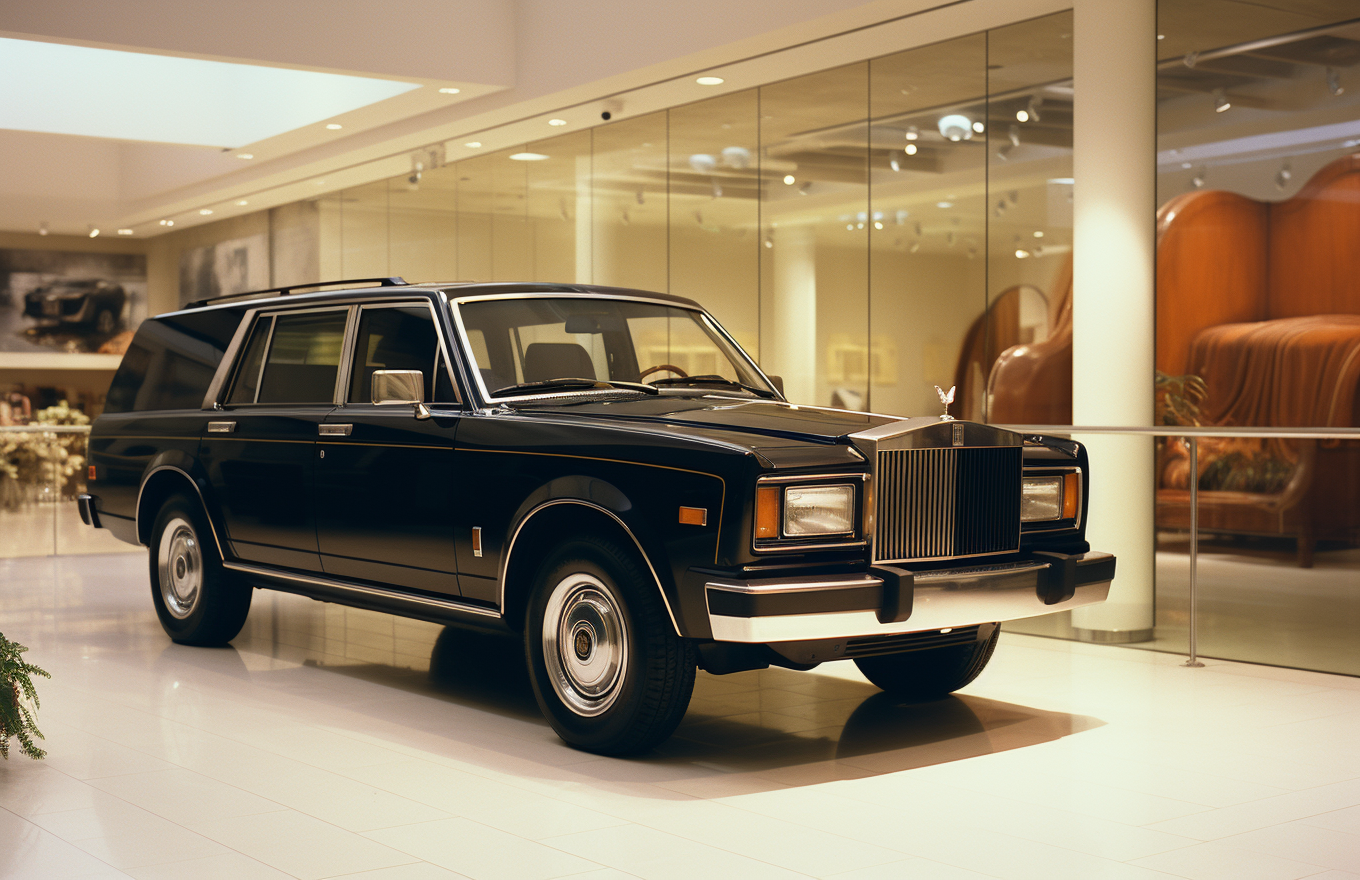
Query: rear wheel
[(608, 671), (932, 673), (197, 600)]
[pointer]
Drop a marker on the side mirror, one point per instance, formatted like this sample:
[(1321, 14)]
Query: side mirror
[(398, 386), (777, 381)]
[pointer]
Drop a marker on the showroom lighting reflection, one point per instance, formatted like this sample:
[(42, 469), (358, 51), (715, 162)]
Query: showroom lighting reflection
[(125, 232), (709, 80), (956, 127), (167, 222), (334, 126), (911, 149), (205, 211), (894, 165), (94, 232), (448, 91), (789, 179), (472, 145), (912, 133), (528, 157), (1022, 115), (42, 228), (245, 155), (1221, 102), (557, 122), (979, 127), (242, 203)]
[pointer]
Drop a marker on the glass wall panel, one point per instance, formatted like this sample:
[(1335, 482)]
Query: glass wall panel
[(476, 204), (424, 225), (511, 237), (629, 224), (1258, 325), (558, 208), (329, 210), (814, 303), (364, 233), (927, 222), (715, 177)]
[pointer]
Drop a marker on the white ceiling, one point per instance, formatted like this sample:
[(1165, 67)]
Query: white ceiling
[(513, 63)]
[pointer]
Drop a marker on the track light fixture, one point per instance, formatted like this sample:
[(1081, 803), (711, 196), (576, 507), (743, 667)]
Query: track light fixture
[(1334, 87), (1032, 108), (1221, 102), (1198, 180), (1282, 176)]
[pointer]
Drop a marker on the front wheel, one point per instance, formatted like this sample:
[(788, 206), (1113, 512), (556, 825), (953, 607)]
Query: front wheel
[(608, 671), (932, 673), (197, 600)]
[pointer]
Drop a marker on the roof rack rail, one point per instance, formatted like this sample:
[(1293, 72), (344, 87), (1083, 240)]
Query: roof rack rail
[(392, 281)]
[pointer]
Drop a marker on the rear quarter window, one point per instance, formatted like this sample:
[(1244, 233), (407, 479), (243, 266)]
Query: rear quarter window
[(171, 361)]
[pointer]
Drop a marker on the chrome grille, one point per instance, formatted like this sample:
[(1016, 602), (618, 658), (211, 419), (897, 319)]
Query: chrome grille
[(945, 503)]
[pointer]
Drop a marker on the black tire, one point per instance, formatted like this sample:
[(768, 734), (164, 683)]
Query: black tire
[(197, 600), (929, 674), (608, 671)]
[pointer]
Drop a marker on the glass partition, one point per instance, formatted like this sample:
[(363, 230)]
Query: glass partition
[(629, 176)]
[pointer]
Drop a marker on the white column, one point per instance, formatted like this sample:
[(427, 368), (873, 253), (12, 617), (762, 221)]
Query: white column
[(790, 349), (1114, 205), (585, 219)]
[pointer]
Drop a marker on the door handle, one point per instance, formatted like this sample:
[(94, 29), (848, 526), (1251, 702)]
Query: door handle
[(334, 430), (221, 427)]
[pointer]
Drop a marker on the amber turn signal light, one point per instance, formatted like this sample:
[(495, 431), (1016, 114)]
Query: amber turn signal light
[(767, 512), (1071, 495), (91, 476), (693, 516)]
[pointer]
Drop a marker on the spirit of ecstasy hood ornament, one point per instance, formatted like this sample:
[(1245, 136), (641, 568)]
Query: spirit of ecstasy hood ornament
[(946, 397)]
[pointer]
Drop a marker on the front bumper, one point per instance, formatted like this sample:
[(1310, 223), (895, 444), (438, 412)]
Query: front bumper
[(889, 600)]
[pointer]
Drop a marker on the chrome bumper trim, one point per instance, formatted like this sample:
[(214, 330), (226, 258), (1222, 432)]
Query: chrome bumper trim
[(941, 599)]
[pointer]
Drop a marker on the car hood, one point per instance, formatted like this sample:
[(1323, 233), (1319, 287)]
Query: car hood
[(767, 418)]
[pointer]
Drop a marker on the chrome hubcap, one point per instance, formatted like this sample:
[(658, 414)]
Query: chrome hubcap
[(585, 644), (180, 562)]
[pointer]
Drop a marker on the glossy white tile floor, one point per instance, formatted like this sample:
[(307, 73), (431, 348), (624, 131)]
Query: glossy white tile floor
[(335, 743)]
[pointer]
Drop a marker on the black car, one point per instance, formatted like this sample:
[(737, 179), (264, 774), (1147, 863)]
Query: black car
[(602, 470), (92, 302)]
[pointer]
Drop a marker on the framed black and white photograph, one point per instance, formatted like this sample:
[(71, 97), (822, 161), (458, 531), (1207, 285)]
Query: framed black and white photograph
[(69, 301)]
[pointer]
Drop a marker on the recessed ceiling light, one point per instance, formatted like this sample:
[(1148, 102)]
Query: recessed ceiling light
[(709, 80), (167, 222), (528, 157), (334, 126), (94, 232), (1022, 115), (472, 145), (125, 232), (42, 228), (979, 127), (557, 122), (245, 155), (910, 149), (242, 203), (1038, 233), (944, 204), (205, 211), (448, 91), (790, 179), (1161, 36)]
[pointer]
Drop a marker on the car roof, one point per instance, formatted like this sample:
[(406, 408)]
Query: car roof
[(455, 290)]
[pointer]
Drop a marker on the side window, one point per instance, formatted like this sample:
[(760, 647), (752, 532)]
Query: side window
[(303, 358), (247, 380), (398, 338)]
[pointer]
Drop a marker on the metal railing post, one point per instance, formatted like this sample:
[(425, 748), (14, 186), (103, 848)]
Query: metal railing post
[(1193, 660)]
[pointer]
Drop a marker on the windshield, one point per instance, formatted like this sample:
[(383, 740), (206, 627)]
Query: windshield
[(537, 346)]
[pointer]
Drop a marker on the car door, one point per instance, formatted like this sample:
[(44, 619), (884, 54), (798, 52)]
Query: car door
[(385, 479), (260, 451)]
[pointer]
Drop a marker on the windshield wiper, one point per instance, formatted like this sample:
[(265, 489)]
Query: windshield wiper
[(710, 379), (568, 383)]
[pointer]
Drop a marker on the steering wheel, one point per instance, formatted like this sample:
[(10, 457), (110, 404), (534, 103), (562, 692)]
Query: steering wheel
[(659, 367)]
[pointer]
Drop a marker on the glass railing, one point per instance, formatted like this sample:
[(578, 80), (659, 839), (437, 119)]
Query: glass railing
[(1254, 562), (42, 470)]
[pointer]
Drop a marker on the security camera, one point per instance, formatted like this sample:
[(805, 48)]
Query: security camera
[(610, 108), (606, 115)]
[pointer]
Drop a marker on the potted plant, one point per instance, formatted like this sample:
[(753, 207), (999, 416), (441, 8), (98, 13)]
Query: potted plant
[(18, 700)]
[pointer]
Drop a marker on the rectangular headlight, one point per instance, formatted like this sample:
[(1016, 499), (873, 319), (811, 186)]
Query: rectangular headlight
[(810, 511), (1049, 498)]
